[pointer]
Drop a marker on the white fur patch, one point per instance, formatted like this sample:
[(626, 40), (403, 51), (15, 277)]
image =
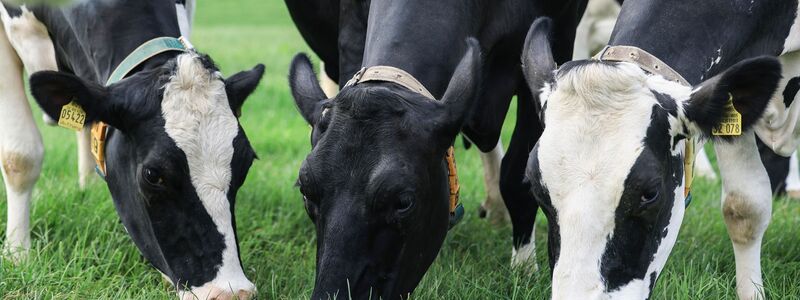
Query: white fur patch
[(199, 119), (526, 255)]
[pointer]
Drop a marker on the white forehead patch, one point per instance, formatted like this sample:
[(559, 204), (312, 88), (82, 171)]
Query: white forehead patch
[(597, 119), (199, 119)]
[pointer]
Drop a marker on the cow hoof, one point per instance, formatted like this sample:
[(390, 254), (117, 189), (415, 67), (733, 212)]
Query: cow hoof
[(495, 213), (15, 255), (524, 261), (482, 212)]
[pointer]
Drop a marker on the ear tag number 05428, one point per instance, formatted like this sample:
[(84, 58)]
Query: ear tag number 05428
[(731, 122), (72, 117)]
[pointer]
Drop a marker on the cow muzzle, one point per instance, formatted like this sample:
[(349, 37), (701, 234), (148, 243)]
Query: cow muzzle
[(241, 291)]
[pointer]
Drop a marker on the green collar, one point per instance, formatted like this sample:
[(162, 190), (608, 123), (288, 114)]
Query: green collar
[(137, 57), (145, 51)]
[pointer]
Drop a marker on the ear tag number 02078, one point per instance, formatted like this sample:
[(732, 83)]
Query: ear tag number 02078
[(731, 122), (72, 117)]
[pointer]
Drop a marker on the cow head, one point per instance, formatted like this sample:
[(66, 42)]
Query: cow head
[(175, 159), (375, 183), (608, 168)]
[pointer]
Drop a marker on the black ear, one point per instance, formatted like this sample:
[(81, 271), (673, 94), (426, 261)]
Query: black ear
[(241, 85), (537, 57), (52, 90), (462, 90), (305, 88), (750, 83)]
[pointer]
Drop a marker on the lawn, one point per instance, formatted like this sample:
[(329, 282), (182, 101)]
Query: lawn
[(81, 251)]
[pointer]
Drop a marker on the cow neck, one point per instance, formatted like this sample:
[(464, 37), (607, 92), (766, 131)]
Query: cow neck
[(426, 39), (700, 40), (92, 37)]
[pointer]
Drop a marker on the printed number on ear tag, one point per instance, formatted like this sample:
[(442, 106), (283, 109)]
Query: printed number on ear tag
[(72, 117), (731, 123)]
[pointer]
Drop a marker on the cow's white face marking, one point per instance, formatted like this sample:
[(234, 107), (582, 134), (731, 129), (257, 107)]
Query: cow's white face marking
[(597, 119), (199, 119)]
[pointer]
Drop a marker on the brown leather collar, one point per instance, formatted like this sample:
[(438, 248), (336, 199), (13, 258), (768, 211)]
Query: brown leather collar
[(641, 58), (390, 74)]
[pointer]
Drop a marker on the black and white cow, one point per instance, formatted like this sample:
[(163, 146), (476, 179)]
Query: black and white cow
[(375, 182), (175, 152), (608, 169)]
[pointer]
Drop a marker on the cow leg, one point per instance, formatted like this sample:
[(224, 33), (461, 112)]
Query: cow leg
[(793, 179), (522, 207), (32, 43), (493, 207), (329, 87), (702, 165), (746, 207), (21, 151)]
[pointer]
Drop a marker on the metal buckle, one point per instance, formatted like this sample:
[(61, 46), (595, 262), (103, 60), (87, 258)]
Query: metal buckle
[(356, 77)]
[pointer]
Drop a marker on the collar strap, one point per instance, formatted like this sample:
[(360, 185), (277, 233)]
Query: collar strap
[(641, 58), (400, 77), (390, 74), (139, 55), (146, 51)]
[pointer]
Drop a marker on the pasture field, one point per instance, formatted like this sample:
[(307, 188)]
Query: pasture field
[(81, 250)]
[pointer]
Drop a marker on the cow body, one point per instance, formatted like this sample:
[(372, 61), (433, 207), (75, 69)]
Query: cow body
[(175, 153), (612, 189)]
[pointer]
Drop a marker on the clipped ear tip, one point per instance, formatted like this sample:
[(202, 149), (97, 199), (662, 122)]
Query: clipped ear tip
[(473, 45), (300, 60), (542, 23), (260, 69)]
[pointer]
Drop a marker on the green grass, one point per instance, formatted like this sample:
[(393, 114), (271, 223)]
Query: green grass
[(81, 251)]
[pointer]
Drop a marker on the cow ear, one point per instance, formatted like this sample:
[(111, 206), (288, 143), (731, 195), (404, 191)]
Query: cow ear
[(307, 93), (538, 64), (462, 90), (749, 85), (52, 90), (241, 85)]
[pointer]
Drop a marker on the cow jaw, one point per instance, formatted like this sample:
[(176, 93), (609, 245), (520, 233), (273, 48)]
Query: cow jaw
[(198, 118)]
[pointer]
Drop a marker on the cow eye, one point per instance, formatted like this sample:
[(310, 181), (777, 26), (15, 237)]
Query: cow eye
[(311, 208), (649, 198), (152, 177), (404, 204)]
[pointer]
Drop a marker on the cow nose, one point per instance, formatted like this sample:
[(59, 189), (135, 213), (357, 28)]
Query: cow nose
[(215, 293)]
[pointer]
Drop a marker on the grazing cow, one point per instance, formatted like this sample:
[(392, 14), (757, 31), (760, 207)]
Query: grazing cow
[(175, 154), (375, 182), (608, 169), (321, 24)]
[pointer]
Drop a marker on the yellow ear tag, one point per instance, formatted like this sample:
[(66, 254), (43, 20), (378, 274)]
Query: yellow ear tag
[(731, 123), (72, 117)]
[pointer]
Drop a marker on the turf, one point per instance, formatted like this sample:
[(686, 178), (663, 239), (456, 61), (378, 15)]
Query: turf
[(81, 251)]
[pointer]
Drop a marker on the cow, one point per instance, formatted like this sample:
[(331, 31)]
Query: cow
[(608, 170), (175, 153), (375, 183)]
